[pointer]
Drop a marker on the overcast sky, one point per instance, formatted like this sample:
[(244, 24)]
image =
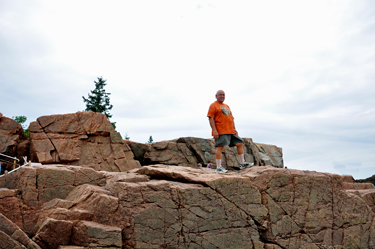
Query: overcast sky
[(297, 74)]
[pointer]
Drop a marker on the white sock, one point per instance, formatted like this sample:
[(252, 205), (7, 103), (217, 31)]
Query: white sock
[(242, 158), (218, 163)]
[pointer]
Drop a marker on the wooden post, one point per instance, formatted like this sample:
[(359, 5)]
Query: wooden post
[(14, 165), (30, 163)]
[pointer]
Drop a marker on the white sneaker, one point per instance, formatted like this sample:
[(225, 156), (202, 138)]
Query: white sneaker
[(246, 165), (221, 170)]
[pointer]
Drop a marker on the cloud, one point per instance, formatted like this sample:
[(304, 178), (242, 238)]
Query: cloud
[(296, 74)]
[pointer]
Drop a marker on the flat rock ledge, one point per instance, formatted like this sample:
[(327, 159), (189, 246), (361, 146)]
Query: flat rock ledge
[(164, 206)]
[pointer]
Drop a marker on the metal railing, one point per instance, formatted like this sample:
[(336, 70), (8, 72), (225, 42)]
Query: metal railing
[(15, 164)]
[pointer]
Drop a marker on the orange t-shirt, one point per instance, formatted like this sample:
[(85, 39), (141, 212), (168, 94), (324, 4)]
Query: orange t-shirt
[(223, 117)]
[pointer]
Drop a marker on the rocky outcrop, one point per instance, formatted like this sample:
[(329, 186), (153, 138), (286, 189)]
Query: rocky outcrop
[(162, 206), (363, 190), (27, 189), (13, 141), (87, 139), (349, 183), (91, 193), (189, 151), (11, 236), (92, 234), (54, 233)]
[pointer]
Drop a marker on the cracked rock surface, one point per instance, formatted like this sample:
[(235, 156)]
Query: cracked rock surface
[(189, 151), (13, 141), (162, 206), (83, 138)]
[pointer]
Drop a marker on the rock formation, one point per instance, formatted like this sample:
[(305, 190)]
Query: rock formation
[(189, 151), (13, 141), (87, 139), (11, 236), (89, 192), (163, 206)]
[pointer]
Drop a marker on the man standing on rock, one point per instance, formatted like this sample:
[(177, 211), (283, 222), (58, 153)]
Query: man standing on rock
[(224, 131)]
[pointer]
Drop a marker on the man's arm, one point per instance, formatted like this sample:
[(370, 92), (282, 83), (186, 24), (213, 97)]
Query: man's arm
[(213, 127)]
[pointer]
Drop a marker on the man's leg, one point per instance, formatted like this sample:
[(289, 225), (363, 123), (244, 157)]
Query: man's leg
[(219, 150), (241, 156), (219, 144), (219, 168), (240, 152)]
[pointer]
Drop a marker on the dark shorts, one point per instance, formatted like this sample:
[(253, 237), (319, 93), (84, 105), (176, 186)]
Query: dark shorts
[(228, 139)]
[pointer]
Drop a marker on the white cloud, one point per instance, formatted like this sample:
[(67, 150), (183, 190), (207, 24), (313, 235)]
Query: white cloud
[(298, 74)]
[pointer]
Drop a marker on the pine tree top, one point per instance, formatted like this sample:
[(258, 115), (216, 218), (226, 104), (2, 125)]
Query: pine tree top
[(98, 100)]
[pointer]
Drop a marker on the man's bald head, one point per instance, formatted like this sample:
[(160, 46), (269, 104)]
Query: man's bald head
[(219, 91), (220, 96)]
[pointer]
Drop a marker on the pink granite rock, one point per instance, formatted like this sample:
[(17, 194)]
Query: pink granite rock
[(11, 236), (13, 141), (31, 187), (189, 151), (53, 233), (87, 139), (164, 206), (94, 235), (10, 205)]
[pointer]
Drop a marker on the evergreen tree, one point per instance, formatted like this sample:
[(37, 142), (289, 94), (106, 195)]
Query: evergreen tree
[(126, 136), (98, 100), (150, 140)]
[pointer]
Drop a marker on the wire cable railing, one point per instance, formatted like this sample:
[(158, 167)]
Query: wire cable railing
[(16, 165)]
